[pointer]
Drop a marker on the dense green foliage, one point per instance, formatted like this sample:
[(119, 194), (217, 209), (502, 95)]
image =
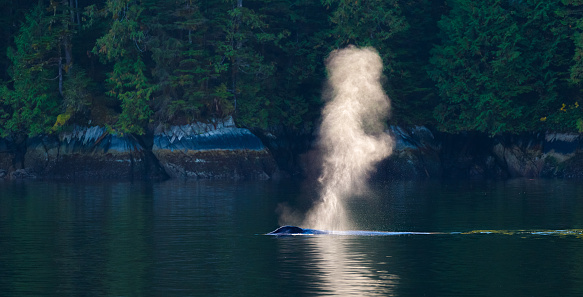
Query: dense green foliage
[(501, 65), (493, 66)]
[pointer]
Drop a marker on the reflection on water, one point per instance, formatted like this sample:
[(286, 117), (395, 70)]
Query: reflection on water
[(336, 265), (52, 235), (205, 239)]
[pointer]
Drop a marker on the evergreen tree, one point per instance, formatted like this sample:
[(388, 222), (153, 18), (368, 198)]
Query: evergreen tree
[(13, 14), (295, 88), (412, 92), (566, 113), (31, 100), (125, 45), (499, 66), (375, 23), (180, 67), (247, 36), (492, 66), (367, 23), (572, 14)]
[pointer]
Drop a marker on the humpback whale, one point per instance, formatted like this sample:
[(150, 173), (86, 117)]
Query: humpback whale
[(293, 230)]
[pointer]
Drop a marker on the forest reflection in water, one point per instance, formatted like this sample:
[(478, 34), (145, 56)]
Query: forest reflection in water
[(206, 239)]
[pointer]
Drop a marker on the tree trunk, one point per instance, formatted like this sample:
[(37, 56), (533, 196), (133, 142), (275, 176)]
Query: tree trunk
[(237, 62), (67, 42), (60, 72), (78, 14), (72, 12), (68, 54)]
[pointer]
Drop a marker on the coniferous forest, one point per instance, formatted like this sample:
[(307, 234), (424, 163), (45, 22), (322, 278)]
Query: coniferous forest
[(491, 66)]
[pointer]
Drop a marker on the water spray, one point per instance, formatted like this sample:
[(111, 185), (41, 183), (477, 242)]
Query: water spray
[(351, 137)]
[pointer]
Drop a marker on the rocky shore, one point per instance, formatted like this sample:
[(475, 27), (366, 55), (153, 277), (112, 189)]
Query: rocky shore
[(421, 153), (215, 150), (220, 150)]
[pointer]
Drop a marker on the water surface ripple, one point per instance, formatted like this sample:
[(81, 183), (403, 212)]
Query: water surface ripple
[(511, 238)]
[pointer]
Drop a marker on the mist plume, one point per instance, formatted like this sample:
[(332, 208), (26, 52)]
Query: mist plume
[(351, 137)]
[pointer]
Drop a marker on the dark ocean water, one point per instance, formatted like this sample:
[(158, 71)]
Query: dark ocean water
[(206, 239)]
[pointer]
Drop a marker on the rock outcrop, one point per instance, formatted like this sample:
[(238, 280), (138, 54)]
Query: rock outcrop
[(419, 153), (415, 154), (86, 153), (542, 155), (212, 150), (215, 150), (220, 150)]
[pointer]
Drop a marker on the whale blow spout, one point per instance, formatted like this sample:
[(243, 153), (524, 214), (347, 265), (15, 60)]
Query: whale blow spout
[(351, 136)]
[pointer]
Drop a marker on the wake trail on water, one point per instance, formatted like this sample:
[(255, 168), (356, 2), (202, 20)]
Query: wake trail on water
[(293, 231)]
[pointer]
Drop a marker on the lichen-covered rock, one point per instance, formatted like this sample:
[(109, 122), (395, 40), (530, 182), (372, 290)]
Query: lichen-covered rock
[(415, 154), (563, 155), (290, 149), (521, 154), (541, 155), (220, 150), (214, 150), (21, 174), (85, 153)]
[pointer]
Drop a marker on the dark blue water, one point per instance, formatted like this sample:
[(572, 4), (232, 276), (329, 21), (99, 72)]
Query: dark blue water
[(205, 239)]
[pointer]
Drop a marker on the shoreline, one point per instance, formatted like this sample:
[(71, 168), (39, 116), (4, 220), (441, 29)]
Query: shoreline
[(220, 150)]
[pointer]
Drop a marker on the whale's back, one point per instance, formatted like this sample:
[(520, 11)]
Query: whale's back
[(287, 230)]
